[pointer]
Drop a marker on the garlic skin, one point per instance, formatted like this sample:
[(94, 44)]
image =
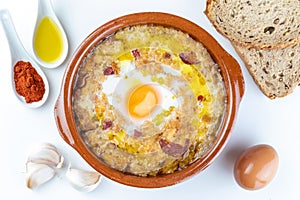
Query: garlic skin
[(84, 181), (38, 174), (46, 154)]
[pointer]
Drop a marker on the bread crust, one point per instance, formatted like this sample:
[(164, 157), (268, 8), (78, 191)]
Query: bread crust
[(255, 41)]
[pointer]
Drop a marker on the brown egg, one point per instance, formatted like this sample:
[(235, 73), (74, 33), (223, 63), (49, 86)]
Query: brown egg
[(256, 167)]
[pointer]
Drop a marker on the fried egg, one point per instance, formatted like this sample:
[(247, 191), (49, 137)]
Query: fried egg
[(138, 96)]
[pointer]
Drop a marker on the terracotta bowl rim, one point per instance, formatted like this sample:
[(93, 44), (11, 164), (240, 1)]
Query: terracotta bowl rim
[(230, 70)]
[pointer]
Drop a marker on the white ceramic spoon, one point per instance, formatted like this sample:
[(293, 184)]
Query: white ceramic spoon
[(18, 53), (45, 9)]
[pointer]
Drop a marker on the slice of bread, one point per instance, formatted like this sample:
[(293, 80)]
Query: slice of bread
[(264, 24), (276, 72)]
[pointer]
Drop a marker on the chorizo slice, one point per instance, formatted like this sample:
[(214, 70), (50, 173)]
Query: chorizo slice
[(189, 58), (172, 148)]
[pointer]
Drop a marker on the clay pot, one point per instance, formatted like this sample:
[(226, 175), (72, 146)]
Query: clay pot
[(230, 71)]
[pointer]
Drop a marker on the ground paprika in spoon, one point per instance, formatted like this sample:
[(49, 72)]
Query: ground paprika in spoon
[(28, 83)]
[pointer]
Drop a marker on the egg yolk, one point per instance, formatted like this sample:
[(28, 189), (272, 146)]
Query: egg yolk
[(142, 101)]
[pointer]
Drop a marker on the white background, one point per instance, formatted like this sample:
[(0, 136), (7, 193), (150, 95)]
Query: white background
[(260, 120)]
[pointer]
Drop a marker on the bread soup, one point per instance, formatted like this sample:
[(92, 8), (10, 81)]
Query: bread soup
[(149, 100)]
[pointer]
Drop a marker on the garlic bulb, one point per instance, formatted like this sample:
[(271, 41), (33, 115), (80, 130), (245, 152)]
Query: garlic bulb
[(82, 180), (46, 154), (38, 174)]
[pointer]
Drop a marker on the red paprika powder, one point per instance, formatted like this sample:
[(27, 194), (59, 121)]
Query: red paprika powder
[(28, 83)]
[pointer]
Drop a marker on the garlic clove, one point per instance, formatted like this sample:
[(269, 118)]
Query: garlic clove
[(38, 174), (46, 154), (84, 181)]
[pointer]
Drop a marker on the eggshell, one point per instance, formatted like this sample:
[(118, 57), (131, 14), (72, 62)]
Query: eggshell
[(256, 167)]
